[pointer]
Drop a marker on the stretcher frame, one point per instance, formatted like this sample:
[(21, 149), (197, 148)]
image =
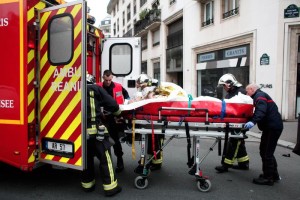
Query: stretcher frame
[(195, 128)]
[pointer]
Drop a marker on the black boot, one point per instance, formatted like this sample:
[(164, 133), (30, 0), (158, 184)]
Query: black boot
[(241, 166), (221, 168), (113, 192), (120, 164), (261, 180)]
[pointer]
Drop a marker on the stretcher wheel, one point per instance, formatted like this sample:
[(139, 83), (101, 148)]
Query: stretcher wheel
[(141, 182), (204, 185)]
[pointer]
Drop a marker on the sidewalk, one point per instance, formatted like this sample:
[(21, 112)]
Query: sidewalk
[(288, 137)]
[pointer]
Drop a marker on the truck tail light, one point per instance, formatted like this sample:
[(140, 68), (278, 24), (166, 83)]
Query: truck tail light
[(31, 135), (31, 37)]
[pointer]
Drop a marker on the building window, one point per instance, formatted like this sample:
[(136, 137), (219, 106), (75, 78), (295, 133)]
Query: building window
[(144, 67), (156, 37), (144, 43), (156, 71), (134, 7), (172, 2), (142, 2), (128, 13), (174, 47), (207, 13), (123, 18), (230, 8), (117, 25), (115, 29)]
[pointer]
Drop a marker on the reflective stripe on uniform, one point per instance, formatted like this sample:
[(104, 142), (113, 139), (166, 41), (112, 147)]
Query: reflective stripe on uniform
[(114, 182), (117, 112), (89, 184), (243, 159), (92, 131)]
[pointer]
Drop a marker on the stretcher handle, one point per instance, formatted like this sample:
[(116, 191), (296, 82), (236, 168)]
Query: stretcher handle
[(184, 109)]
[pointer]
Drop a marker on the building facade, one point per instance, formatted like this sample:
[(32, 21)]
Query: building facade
[(105, 26), (194, 42)]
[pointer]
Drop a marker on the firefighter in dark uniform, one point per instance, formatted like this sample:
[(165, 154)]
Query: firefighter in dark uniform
[(269, 121), (121, 95), (98, 143), (236, 148)]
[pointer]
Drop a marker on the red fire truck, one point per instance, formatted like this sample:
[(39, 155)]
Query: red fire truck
[(47, 47)]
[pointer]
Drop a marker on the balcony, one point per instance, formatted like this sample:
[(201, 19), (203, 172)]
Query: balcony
[(207, 22), (151, 21), (231, 13)]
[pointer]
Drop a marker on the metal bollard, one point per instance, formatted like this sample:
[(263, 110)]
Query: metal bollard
[(296, 150)]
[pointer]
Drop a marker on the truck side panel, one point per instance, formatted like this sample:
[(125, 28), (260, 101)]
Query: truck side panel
[(13, 84)]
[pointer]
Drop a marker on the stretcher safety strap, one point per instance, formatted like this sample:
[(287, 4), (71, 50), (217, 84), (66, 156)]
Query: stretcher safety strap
[(223, 109), (153, 139), (190, 103), (133, 140)]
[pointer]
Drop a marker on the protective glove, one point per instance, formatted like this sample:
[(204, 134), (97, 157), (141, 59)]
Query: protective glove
[(249, 125)]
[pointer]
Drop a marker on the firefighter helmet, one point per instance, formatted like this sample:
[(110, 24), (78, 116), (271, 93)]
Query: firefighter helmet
[(143, 79), (229, 80), (90, 79)]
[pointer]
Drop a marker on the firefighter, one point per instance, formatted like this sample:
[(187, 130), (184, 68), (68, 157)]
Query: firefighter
[(98, 143), (121, 96), (146, 86), (269, 121), (236, 146)]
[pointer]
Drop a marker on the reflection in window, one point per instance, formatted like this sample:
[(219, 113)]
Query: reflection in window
[(61, 40), (121, 59)]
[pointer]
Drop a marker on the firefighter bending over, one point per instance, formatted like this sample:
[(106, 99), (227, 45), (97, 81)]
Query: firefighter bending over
[(98, 143), (236, 146)]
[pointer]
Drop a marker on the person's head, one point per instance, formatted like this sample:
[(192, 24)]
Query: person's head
[(90, 79), (107, 78), (251, 89), (143, 81), (228, 81)]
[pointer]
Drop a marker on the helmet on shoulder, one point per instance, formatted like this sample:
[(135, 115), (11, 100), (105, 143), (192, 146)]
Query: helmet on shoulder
[(90, 79), (229, 80), (143, 79)]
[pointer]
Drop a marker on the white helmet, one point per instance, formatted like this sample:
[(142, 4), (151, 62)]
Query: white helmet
[(228, 79), (90, 79), (143, 79)]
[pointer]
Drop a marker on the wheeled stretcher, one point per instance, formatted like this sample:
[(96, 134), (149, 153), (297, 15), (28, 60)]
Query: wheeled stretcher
[(190, 119)]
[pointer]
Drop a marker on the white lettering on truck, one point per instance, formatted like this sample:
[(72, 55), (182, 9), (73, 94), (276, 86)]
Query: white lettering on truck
[(3, 22), (66, 86), (6, 103)]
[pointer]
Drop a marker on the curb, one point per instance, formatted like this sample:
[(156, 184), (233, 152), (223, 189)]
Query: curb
[(281, 143)]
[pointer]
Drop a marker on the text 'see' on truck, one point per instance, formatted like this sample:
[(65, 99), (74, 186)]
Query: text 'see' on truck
[(47, 47)]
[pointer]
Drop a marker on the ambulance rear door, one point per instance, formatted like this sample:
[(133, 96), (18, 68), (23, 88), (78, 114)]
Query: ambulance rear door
[(123, 57), (62, 86)]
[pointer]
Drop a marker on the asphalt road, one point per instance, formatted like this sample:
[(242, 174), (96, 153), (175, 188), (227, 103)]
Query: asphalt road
[(171, 182)]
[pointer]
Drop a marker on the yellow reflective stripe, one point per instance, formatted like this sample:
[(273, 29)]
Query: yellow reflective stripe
[(89, 184), (243, 159), (229, 162), (237, 149), (91, 131), (114, 182), (117, 113)]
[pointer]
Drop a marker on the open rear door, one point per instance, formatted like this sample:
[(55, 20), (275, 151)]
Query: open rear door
[(62, 88), (123, 57)]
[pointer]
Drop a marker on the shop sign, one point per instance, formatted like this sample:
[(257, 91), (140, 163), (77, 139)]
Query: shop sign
[(236, 52), (206, 57), (265, 59), (291, 11)]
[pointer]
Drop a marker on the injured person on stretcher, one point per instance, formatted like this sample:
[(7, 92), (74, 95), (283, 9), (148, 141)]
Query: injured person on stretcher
[(169, 102)]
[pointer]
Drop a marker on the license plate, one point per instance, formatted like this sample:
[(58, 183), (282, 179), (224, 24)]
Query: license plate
[(59, 147)]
